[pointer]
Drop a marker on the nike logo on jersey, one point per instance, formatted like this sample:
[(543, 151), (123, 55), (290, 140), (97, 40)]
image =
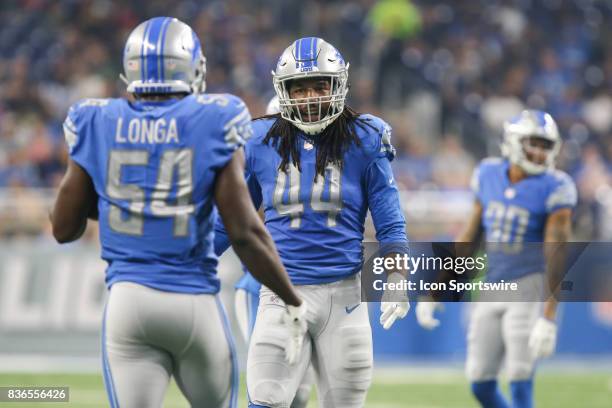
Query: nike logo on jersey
[(349, 309)]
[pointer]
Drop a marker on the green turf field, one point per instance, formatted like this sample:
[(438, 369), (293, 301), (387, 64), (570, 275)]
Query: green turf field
[(392, 389)]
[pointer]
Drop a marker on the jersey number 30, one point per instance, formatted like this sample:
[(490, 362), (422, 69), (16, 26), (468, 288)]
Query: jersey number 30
[(181, 160), (509, 224), (294, 208)]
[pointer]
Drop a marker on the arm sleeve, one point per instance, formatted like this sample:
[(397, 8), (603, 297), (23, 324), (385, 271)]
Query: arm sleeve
[(563, 195), (79, 148), (235, 128), (384, 204)]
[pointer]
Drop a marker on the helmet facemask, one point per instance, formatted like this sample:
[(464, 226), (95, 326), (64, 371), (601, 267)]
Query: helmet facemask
[(312, 59), (312, 114)]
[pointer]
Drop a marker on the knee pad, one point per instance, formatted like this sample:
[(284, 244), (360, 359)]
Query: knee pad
[(264, 372), (270, 394), (351, 375), (356, 353), (270, 380)]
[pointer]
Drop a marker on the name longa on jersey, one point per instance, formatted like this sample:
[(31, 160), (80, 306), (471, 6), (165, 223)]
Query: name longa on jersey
[(147, 131)]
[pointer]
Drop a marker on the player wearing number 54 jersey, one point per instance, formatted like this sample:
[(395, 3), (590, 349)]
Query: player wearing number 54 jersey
[(151, 168), (316, 168)]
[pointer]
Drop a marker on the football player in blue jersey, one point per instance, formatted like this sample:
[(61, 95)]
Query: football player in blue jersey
[(150, 168), (520, 200), (316, 168)]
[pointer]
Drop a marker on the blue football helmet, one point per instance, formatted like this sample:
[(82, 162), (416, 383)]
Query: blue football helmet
[(163, 55)]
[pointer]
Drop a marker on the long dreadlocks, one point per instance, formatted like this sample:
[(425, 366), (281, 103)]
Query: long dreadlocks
[(331, 143)]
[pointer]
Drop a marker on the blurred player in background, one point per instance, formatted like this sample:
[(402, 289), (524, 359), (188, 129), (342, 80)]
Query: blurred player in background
[(520, 199), (158, 162), (316, 168)]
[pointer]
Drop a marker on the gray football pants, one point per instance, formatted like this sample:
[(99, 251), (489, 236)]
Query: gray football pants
[(499, 333), (246, 305), (338, 343), (149, 336)]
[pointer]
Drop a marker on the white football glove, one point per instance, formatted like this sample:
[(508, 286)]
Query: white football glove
[(295, 319), (425, 314), (394, 303), (543, 338)]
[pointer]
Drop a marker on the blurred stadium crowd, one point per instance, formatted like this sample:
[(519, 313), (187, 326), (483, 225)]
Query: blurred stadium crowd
[(444, 74)]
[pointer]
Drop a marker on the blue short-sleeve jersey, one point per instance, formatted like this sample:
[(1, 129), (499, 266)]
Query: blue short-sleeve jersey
[(153, 166), (514, 214)]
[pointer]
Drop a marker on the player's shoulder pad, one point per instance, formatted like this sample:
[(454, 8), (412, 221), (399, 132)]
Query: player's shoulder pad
[(375, 136), (221, 103), (557, 176), (261, 126), (489, 165), (78, 113), (491, 162), (562, 190), (485, 167), (233, 115), (84, 107)]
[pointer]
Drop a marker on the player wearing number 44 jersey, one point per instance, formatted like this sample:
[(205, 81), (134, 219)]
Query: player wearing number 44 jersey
[(316, 168), (520, 199), (151, 168)]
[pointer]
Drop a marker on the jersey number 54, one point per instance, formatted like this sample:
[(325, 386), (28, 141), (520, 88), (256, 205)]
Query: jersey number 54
[(171, 160)]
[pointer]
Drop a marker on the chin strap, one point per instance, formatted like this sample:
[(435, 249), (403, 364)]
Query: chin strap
[(124, 79)]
